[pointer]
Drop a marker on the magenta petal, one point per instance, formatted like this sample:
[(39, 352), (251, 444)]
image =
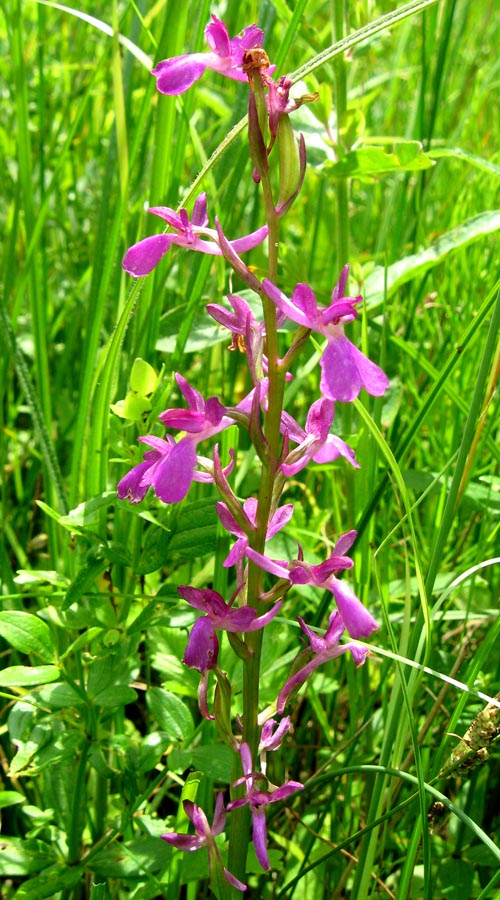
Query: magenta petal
[(373, 379), (140, 259), (186, 842), (340, 378), (202, 647), (218, 38), (357, 619), (259, 835), (130, 486), (171, 477), (304, 299), (176, 75), (250, 240)]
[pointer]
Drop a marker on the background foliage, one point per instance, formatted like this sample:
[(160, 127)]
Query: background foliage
[(99, 729)]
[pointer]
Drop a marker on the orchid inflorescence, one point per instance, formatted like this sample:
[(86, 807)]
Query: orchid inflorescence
[(283, 446)]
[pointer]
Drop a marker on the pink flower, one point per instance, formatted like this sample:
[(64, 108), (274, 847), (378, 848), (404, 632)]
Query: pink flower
[(278, 520), (324, 648), (344, 369), (205, 837), (169, 468), (258, 798), (358, 621), (315, 441), (176, 75), (142, 257)]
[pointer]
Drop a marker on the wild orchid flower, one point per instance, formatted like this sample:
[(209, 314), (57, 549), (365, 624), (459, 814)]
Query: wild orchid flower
[(258, 797), (176, 75), (169, 468), (205, 837), (344, 369), (221, 615), (357, 619), (315, 441), (278, 520), (142, 257), (324, 648)]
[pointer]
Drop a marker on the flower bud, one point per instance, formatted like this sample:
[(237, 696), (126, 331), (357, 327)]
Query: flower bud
[(292, 164)]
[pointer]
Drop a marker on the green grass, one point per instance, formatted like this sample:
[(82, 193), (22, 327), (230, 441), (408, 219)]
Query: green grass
[(96, 767)]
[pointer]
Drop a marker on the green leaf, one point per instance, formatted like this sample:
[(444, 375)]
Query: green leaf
[(195, 529), (370, 162), (117, 695), (86, 515), (19, 857), (143, 378), (11, 798), (124, 860), (171, 714), (24, 676), (154, 552), (50, 882), (28, 634), (84, 581), (418, 263)]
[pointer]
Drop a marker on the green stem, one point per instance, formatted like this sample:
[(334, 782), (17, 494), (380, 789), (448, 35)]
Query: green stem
[(241, 820)]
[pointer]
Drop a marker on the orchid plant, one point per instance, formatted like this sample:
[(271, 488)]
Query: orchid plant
[(283, 449)]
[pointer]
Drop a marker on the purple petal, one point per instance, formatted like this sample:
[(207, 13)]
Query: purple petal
[(280, 518), (320, 418), (141, 259), (176, 75), (332, 449), (285, 790), (335, 629), (186, 842), (284, 304), (219, 820), (273, 566), (304, 299), (171, 477), (202, 647), (259, 836), (250, 240), (264, 620), (131, 487), (345, 370), (228, 521), (168, 215), (251, 36), (199, 217), (217, 37), (233, 881), (345, 542), (357, 619)]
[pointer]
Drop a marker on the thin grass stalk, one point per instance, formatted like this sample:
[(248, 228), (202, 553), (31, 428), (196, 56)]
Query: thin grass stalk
[(443, 531)]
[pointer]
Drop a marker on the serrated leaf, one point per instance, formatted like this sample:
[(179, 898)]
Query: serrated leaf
[(28, 634), (171, 714), (24, 676)]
